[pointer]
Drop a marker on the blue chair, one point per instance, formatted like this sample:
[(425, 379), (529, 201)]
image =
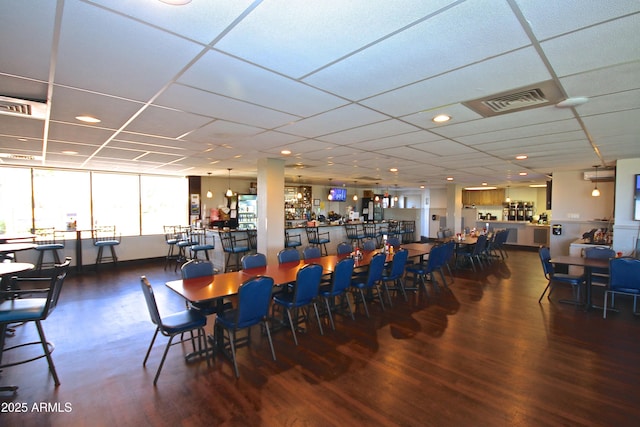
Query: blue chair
[(31, 305), (183, 235), (105, 237), (476, 253), (200, 242), (311, 252), (423, 272), (316, 238), (47, 240), (233, 247), (175, 324), (372, 232), (393, 241), (202, 268), (395, 275), (288, 255), (554, 278), (599, 276), (340, 282), (305, 293), (344, 248), (369, 245), (371, 283), (254, 297), (624, 279), (292, 240), (254, 261)]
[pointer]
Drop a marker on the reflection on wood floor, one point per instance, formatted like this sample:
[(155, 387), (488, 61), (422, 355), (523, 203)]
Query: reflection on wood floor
[(483, 352)]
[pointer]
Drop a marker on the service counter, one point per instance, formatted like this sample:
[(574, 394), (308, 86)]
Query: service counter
[(521, 233)]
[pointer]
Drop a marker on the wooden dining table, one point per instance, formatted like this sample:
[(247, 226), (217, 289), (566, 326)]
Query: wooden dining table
[(12, 248), (589, 264)]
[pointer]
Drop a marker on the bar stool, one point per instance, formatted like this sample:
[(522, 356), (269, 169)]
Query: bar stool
[(171, 237), (318, 239), (105, 237), (292, 240), (200, 243), (47, 240), (233, 247)]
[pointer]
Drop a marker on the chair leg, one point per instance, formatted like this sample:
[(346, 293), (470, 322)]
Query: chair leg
[(153, 340), (293, 328), (326, 302), (232, 339), (47, 353), (266, 327), (164, 356), (545, 291), (364, 302), (315, 307)]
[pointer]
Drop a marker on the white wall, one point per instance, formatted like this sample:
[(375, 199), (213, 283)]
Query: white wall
[(626, 230)]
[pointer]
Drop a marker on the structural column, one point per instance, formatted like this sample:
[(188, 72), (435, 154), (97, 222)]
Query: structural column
[(270, 208)]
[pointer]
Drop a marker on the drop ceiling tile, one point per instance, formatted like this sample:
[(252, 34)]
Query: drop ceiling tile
[(15, 127), (404, 139), (215, 106), (559, 126), (552, 19), (340, 119), (595, 47), (87, 134), (33, 35), (495, 31), (600, 82), (108, 53), (373, 131), (231, 77), (166, 122), (513, 70), (200, 21), (295, 38), (222, 131), (458, 113)]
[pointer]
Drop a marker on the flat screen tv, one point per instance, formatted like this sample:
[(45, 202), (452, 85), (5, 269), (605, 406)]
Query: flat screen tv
[(636, 204), (338, 194)]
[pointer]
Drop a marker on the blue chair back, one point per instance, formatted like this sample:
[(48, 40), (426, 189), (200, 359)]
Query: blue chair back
[(624, 275), (399, 262), (481, 245), (602, 252), (437, 257), (376, 267), (369, 245), (393, 241), (342, 275), (150, 298), (344, 248), (311, 252), (197, 268), (547, 267), (307, 284), (254, 297), (288, 255), (254, 261)]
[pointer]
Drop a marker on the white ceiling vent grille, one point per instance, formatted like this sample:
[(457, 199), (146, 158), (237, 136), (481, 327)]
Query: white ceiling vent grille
[(539, 95), (23, 108)]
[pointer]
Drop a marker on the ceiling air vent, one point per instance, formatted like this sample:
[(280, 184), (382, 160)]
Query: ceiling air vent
[(538, 95), (23, 108)]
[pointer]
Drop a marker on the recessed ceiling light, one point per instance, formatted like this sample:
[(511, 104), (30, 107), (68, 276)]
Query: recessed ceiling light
[(538, 185), (285, 152), (70, 152), (176, 2), (522, 174), (88, 119), (422, 186), (522, 157), (441, 118), (23, 139), (484, 183), (449, 178), (393, 170), (480, 188)]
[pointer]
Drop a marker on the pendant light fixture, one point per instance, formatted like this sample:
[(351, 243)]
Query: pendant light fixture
[(299, 195), (376, 198), (209, 193), (330, 195), (395, 197), (508, 199), (355, 191), (229, 192), (596, 192)]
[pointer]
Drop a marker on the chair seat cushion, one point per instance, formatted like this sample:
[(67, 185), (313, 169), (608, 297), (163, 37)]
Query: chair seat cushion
[(172, 241), (49, 246), (286, 299), (22, 310), (183, 321), (202, 247), (567, 278), (107, 243), (417, 269), (238, 249), (634, 291)]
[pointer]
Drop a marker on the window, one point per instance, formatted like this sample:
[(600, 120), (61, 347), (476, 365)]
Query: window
[(60, 197), (159, 210), (15, 200), (116, 201)]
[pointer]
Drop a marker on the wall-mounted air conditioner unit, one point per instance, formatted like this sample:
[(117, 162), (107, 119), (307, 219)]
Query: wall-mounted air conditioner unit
[(603, 175), (23, 108)]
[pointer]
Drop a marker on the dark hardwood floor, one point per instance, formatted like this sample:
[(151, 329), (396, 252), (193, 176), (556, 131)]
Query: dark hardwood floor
[(484, 353)]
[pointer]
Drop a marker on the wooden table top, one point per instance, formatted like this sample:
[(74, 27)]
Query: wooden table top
[(227, 284), (580, 261)]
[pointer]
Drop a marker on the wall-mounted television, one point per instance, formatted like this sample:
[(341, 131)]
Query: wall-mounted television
[(338, 194), (636, 204)]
